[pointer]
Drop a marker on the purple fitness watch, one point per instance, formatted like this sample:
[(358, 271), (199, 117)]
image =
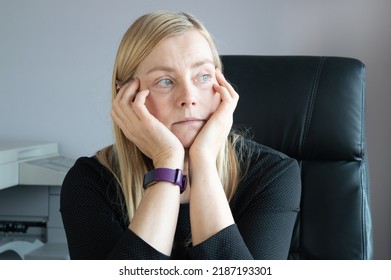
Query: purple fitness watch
[(174, 176)]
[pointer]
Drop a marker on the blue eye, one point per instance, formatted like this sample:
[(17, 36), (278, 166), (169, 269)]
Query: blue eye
[(205, 78), (164, 83)]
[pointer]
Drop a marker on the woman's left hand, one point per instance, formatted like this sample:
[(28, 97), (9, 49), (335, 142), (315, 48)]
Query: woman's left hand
[(211, 138)]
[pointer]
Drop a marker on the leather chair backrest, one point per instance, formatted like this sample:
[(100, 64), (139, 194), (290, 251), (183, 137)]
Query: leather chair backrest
[(312, 109)]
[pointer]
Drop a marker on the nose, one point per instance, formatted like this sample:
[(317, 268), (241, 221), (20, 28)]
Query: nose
[(187, 95)]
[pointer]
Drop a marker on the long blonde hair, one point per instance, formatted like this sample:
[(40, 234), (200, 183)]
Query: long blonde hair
[(124, 159)]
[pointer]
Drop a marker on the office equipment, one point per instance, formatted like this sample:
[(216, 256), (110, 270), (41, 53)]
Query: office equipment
[(31, 174)]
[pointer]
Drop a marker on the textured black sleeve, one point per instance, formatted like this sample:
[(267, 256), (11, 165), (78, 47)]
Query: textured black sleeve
[(227, 244), (93, 225), (269, 208)]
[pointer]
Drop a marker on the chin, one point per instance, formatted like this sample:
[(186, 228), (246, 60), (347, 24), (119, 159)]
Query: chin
[(187, 141), (187, 144)]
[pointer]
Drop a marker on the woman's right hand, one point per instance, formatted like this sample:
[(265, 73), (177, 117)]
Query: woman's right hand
[(152, 137)]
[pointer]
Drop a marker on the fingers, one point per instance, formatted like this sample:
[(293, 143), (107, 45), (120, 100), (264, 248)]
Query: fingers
[(131, 115), (127, 92), (130, 102), (224, 83), (122, 101), (229, 96), (123, 98), (139, 104)]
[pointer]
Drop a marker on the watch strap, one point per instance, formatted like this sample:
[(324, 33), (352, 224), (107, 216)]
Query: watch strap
[(174, 176)]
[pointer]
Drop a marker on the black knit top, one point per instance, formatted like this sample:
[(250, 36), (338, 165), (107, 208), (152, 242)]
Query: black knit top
[(264, 208)]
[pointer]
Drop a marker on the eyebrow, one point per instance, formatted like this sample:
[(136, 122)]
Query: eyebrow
[(170, 69)]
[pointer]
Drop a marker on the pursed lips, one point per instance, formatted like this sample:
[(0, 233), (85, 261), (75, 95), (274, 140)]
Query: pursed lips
[(189, 121)]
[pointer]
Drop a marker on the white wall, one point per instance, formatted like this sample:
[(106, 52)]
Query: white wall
[(56, 59)]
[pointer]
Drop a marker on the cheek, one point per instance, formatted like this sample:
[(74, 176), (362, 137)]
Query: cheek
[(159, 108), (151, 102), (216, 101), (153, 106), (209, 99), (213, 102)]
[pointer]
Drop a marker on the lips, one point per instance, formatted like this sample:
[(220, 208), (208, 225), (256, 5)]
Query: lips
[(189, 121)]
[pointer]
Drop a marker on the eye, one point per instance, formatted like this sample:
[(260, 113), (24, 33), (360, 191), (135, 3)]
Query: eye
[(164, 83), (205, 78)]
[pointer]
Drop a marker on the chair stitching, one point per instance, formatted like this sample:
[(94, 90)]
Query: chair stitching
[(311, 104)]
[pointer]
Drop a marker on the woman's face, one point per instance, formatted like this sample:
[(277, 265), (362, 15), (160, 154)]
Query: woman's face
[(180, 74)]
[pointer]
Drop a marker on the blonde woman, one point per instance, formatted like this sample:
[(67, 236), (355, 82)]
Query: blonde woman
[(177, 183)]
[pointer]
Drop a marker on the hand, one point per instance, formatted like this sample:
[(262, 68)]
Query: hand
[(212, 136), (153, 138)]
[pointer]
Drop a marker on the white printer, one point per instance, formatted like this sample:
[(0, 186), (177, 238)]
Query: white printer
[(31, 176)]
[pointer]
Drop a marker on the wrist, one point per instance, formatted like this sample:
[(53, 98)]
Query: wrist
[(201, 158), (174, 176), (174, 162)]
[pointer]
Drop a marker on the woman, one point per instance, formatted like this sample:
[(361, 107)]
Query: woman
[(177, 183)]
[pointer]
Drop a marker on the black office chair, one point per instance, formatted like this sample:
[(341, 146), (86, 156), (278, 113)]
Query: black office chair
[(312, 109)]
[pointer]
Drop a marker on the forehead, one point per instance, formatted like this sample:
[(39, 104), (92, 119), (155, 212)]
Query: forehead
[(177, 52)]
